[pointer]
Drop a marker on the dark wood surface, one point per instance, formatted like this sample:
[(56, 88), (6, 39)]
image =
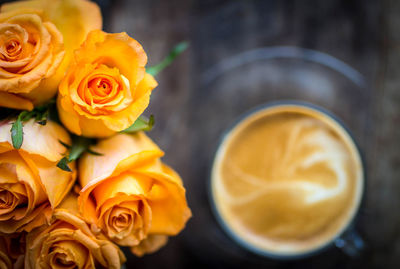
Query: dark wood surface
[(192, 113)]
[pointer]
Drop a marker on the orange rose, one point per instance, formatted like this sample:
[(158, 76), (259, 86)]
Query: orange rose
[(152, 243), (130, 194), (106, 88), (69, 243), (30, 181), (32, 38)]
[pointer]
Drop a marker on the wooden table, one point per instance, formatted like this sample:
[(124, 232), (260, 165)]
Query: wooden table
[(191, 115)]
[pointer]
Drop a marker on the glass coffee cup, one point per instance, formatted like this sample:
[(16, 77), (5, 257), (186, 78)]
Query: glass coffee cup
[(245, 81), (287, 182)]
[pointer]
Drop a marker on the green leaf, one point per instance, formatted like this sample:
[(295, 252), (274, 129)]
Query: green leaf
[(141, 124), (26, 115), (80, 145), (40, 114), (63, 164), (175, 52), (17, 135), (94, 152), (64, 144), (42, 117)]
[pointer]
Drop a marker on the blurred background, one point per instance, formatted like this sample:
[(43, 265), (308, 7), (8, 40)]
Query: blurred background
[(222, 75), (218, 78)]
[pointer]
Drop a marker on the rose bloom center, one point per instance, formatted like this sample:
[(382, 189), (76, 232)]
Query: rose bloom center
[(13, 47), (7, 199), (100, 86), (122, 220), (62, 260)]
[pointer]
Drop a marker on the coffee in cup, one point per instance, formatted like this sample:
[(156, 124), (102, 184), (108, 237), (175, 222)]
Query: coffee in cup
[(286, 180)]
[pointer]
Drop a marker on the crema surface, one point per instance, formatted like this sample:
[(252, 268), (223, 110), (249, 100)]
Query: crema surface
[(287, 180)]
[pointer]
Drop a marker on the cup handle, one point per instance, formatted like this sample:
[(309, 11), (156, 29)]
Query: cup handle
[(351, 243)]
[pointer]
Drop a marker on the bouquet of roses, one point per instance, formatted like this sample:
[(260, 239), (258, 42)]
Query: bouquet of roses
[(78, 175)]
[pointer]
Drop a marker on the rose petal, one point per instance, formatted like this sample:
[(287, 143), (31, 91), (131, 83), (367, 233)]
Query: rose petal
[(105, 56), (123, 119), (70, 237), (39, 139), (150, 245), (118, 153), (40, 73), (110, 49), (67, 114), (39, 216), (73, 18), (56, 182), (31, 175), (127, 183), (173, 220), (48, 87), (130, 172), (14, 101)]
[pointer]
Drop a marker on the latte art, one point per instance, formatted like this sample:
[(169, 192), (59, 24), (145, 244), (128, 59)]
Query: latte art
[(286, 181)]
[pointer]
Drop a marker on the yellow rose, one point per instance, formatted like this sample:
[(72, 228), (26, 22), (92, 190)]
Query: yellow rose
[(129, 194), (152, 243), (12, 249), (106, 88), (32, 38), (30, 181), (69, 243)]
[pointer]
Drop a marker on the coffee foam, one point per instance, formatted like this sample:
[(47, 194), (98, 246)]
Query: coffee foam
[(287, 180)]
